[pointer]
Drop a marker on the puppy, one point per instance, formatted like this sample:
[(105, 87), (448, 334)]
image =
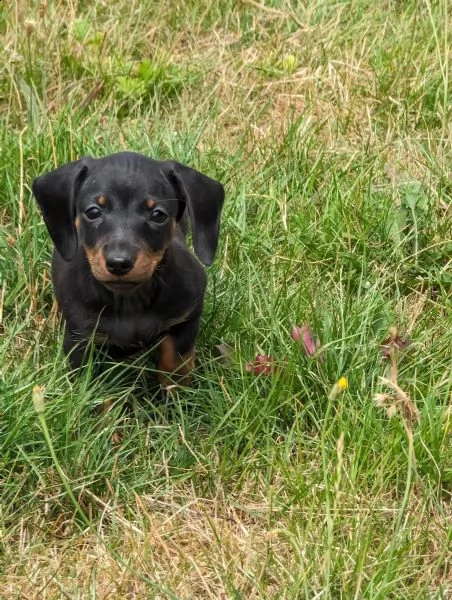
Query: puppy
[(121, 271)]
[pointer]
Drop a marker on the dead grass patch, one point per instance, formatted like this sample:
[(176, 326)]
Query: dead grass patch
[(205, 548)]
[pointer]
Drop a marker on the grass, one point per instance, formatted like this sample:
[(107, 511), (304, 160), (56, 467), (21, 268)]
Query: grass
[(330, 125)]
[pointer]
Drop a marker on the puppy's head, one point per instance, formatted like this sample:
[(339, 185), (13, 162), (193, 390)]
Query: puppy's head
[(123, 209)]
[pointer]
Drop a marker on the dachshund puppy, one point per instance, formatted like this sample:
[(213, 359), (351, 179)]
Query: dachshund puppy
[(121, 271)]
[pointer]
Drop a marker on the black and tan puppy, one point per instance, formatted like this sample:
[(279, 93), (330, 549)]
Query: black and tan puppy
[(121, 271)]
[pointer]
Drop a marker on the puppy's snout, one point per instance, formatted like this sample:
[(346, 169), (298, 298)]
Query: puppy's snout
[(118, 261)]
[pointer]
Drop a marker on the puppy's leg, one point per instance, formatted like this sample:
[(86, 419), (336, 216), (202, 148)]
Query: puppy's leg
[(176, 353), (76, 351)]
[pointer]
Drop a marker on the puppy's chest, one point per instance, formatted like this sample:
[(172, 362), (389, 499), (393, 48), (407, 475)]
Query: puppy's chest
[(129, 330)]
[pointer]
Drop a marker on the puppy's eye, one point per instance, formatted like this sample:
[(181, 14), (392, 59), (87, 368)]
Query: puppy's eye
[(158, 216), (92, 213)]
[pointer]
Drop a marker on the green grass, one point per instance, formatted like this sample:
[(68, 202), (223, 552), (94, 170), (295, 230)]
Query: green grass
[(329, 124)]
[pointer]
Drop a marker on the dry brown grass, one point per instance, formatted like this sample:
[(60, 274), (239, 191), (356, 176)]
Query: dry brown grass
[(201, 548)]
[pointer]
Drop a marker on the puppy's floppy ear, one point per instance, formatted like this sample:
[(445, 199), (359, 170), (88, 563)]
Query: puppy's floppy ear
[(55, 193), (204, 199)]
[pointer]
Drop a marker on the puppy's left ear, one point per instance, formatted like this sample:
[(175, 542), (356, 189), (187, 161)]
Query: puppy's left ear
[(55, 193), (204, 199)]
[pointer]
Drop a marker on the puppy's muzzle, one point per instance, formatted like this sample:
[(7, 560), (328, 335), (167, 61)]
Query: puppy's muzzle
[(121, 266), (119, 258)]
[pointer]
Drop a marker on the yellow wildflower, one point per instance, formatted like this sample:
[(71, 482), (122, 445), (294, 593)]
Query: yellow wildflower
[(340, 386)]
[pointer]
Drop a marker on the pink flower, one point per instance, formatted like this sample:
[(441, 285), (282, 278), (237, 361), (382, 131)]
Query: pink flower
[(305, 335), (262, 365)]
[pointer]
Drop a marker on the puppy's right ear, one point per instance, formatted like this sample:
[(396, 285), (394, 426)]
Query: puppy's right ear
[(55, 193)]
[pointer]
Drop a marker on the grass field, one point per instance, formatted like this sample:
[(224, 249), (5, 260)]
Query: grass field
[(329, 124)]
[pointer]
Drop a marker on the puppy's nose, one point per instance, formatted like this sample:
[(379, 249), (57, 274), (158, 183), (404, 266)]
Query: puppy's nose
[(119, 265)]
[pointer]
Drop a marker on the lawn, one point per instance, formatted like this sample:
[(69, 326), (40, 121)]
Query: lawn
[(325, 472)]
